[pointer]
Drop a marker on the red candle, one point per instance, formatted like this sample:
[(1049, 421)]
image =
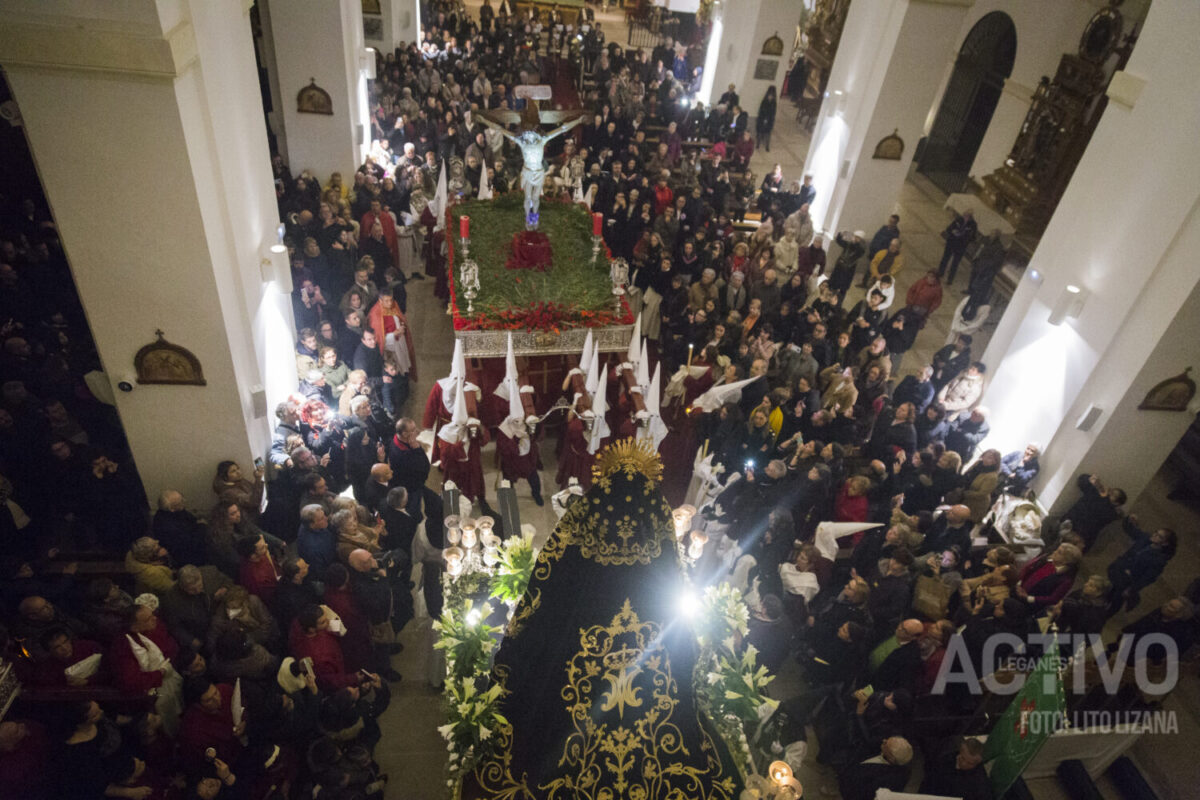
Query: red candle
[(464, 226), (597, 224)]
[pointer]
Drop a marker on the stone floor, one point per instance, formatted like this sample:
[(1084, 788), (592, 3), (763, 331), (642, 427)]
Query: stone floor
[(413, 753)]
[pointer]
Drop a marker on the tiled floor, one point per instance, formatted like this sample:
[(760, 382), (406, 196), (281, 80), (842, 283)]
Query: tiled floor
[(413, 753)]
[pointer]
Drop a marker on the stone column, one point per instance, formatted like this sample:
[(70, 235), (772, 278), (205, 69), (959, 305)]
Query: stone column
[(397, 23), (322, 43), (889, 67), (1125, 233), (146, 123), (745, 25)]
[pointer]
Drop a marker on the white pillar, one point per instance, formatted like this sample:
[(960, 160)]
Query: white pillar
[(1126, 232), (745, 26), (890, 62), (322, 42), (398, 24), (146, 123)]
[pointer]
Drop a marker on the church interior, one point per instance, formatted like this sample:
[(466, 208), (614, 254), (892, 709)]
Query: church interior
[(413, 399)]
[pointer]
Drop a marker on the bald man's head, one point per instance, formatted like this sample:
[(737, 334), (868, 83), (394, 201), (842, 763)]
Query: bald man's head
[(957, 515), (909, 630), (897, 750), (362, 561), (170, 500)]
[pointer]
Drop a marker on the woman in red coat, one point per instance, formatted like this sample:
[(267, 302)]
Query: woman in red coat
[(851, 502), (392, 334)]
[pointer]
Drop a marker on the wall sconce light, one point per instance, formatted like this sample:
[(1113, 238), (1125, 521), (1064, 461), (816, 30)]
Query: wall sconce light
[(1069, 304), (273, 265), (1035, 276), (279, 247), (366, 62)]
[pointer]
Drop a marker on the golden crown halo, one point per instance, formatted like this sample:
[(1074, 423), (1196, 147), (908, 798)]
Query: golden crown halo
[(631, 456)]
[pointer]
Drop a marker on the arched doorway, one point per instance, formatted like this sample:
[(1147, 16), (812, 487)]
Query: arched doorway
[(984, 63)]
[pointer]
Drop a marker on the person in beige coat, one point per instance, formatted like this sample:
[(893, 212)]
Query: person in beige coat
[(962, 394)]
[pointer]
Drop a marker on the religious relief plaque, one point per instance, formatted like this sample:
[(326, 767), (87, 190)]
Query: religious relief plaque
[(164, 363), (773, 46), (765, 69), (890, 148), (312, 99)]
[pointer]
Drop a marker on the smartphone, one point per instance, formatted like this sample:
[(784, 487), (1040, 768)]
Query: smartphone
[(210, 754), (749, 465), (258, 462)]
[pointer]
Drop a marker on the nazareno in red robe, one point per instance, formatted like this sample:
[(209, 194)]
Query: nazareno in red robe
[(463, 463), (575, 461), (513, 465)]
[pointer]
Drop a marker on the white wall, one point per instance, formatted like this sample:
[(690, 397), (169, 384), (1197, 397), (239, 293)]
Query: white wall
[(891, 54), (399, 24), (180, 250), (1125, 231), (747, 24), (321, 40)]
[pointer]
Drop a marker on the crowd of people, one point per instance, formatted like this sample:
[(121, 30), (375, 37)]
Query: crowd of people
[(243, 651)]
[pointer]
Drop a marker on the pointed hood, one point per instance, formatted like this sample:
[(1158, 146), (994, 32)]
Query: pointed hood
[(441, 199), (716, 397), (593, 374), (458, 422), (510, 372), (643, 370), (656, 429), (635, 343), (485, 189), (585, 361), (458, 371), (600, 429)]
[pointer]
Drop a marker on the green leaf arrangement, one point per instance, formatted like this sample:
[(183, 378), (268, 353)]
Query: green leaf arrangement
[(514, 569), (573, 292), (473, 719), (467, 640)]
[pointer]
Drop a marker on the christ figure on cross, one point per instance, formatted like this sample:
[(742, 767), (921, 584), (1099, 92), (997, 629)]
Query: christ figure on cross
[(533, 149)]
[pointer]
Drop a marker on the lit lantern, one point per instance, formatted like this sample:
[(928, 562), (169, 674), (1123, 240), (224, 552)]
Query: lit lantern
[(682, 517), (454, 560), (469, 533), (696, 548)]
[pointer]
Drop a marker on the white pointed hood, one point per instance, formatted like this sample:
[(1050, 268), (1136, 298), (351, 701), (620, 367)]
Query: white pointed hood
[(643, 370), (485, 189), (441, 199), (828, 533), (635, 343), (510, 372), (600, 429), (458, 422), (593, 374), (458, 371), (716, 397), (656, 428), (585, 360)]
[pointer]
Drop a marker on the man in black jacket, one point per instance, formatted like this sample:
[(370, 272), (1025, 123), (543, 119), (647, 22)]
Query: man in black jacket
[(958, 772), (178, 530), (952, 529), (888, 770), (373, 593), (1097, 507)]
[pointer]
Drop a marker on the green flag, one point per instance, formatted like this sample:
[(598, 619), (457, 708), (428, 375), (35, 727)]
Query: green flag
[(1034, 714)]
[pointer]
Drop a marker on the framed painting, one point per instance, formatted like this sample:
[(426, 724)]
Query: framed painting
[(1173, 394)]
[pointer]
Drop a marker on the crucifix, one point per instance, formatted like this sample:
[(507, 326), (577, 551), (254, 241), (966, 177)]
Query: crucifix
[(532, 143)]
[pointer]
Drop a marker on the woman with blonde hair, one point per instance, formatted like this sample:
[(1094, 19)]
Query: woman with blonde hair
[(237, 609)]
